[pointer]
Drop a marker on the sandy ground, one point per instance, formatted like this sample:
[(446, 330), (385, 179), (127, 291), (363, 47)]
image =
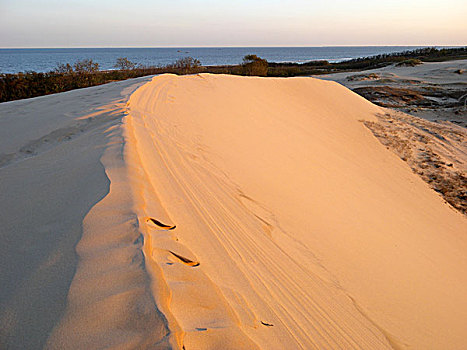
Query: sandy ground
[(435, 91), (430, 134), (220, 212), (55, 153)]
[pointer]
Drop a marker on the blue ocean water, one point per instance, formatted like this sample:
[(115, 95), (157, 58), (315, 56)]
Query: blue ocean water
[(43, 60)]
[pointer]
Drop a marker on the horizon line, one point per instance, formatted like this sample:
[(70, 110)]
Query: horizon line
[(227, 46)]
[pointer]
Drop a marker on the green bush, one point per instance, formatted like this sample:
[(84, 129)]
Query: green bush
[(185, 65), (254, 65), (411, 62), (86, 66), (124, 63)]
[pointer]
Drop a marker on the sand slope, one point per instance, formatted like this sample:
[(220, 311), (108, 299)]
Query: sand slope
[(295, 228), (56, 156), (298, 216)]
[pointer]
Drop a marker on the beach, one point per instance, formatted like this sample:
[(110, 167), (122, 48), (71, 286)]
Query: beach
[(225, 212)]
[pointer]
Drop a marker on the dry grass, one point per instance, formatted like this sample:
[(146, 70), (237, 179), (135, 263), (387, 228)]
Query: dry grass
[(437, 152)]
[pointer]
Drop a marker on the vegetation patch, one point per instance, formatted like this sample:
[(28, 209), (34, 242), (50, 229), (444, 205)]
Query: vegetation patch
[(393, 97), (254, 65), (87, 73), (411, 62), (434, 151)]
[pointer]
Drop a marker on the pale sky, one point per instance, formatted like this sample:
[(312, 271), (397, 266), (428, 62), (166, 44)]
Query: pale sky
[(176, 23)]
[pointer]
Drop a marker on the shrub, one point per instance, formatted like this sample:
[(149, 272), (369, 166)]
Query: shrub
[(411, 62), (124, 63), (254, 65), (185, 65), (86, 66), (63, 69)]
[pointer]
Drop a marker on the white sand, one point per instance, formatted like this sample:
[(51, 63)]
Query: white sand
[(439, 82), (308, 232), (56, 151), (428, 72)]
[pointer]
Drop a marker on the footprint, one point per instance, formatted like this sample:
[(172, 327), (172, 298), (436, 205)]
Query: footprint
[(186, 261), (160, 224)]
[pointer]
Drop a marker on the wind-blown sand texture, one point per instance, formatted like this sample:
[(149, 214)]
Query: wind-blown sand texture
[(220, 212)]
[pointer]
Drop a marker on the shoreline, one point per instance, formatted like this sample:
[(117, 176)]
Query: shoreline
[(65, 77), (209, 55)]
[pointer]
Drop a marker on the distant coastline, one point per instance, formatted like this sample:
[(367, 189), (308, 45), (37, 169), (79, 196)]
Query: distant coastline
[(87, 72), (46, 59)]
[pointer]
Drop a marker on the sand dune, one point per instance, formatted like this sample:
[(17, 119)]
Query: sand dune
[(221, 212), (61, 219), (298, 216)]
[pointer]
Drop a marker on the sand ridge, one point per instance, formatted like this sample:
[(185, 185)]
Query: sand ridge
[(279, 182), (221, 212), (77, 279)]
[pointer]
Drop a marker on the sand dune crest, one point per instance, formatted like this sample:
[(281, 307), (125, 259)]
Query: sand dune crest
[(319, 229), (296, 228)]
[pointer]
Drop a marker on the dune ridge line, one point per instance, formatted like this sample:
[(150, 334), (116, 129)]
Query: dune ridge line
[(177, 175), (222, 212), (280, 183)]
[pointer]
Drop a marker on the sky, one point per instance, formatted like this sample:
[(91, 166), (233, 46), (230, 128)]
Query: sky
[(189, 23)]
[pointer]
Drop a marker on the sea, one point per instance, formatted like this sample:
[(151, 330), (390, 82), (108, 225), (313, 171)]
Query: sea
[(44, 60)]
